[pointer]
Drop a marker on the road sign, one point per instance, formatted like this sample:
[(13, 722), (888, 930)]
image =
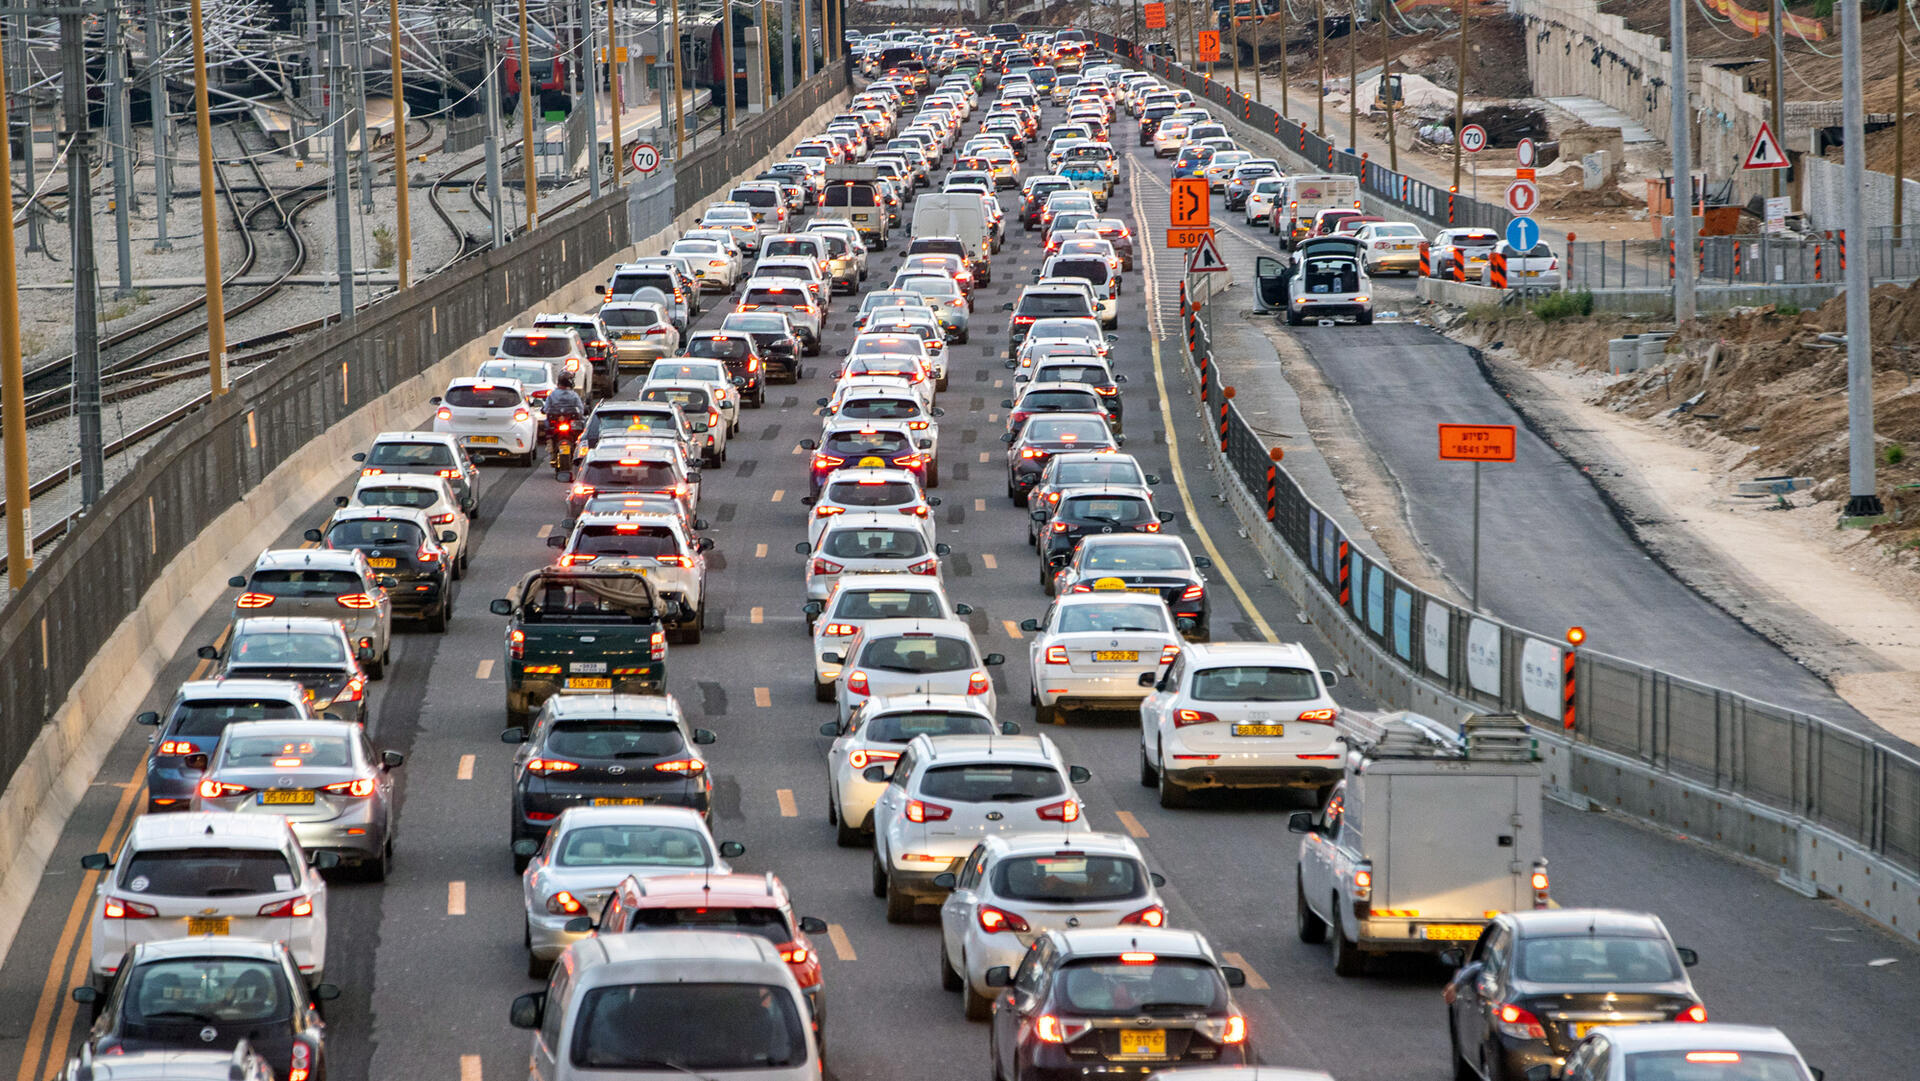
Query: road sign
[(646, 157), (1191, 204), (1477, 442), (1777, 210), (1182, 237), (1522, 234), (1766, 152), (1206, 258), (1473, 138), (1522, 197), (1209, 46), (1156, 16), (1525, 152)]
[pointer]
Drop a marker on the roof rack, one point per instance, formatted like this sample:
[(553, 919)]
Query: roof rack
[(1482, 737)]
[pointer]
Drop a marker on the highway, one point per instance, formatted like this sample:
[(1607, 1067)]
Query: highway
[(429, 960)]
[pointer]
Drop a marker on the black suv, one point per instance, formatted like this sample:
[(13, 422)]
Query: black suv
[(741, 354), (400, 547), (1036, 201), (1090, 513)]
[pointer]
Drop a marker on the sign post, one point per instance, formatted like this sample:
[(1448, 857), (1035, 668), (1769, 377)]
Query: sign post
[(1477, 443)]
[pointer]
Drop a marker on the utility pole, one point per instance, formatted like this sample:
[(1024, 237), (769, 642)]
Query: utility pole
[(13, 390), (1386, 80), (732, 82), (86, 315), (1320, 39), (806, 39), (1234, 20), (1460, 96), (157, 99), (36, 241), (399, 143), (342, 183), (786, 47), (679, 105), (662, 74), (117, 135), (1678, 109), (1353, 79), (358, 72), (1862, 500), (1259, 20), (1776, 31), (530, 171), (766, 58), (490, 102), (1283, 57), (1899, 127), (618, 104), (209, 214), (590, 89)]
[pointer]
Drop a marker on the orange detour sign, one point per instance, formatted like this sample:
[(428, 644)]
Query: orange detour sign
[(1477, 442), (1191, 204), (1209, 46), (1156, 16)]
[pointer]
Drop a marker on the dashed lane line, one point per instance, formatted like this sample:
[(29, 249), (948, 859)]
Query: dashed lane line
[(1013, 629), (456, 898), (464, 772), (1131, 824), (759, 551), (988, 559), (788, 808), (485, 669), (842, 945), (762, 697), (757, 615)]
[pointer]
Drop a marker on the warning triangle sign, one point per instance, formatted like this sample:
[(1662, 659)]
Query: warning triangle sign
[(1206, 257), (1766, 152)]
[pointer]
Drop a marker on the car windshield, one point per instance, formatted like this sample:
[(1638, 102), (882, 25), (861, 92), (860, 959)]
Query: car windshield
[(482, 396), (872, 493), (628, 844), (1709, 1065), (1094, 269), (629, 474), (1172, 985), (688, 1028), (411, 454), (806, 248), (626, 539), (1255, 683), (888, 604), (1592, 959), (768, 923), (374, 533), (992, 782), (206, 991), (903, 726), (509, 369), (287, 751), (545, 346), (624, 318), (1117, 471), (207, 872), (850, 442), (720, 347), (603, 737), (692, 400), (874, 543), (880, 409), (1066, 429), (1112, 617), (1067, 329), (710, 371), (1397, 230), (917, 653), (1069, 877), (397, 496), (928, 285), (1127, 558), (1109, 510), (273, 648), (211, 716)]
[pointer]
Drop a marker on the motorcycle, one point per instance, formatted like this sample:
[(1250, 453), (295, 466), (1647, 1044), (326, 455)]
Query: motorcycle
[(560, 443)]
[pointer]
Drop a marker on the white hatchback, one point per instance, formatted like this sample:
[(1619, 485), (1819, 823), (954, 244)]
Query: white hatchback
[(423, 492), (915, 656), (876, 732), (858, 599), (489, 416), (868, 544)]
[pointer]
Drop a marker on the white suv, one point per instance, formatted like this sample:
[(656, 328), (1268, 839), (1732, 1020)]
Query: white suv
[(876, 732), (657, 547), (858, 599)]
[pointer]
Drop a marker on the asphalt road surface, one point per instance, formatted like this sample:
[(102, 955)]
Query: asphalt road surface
[(429, 960)]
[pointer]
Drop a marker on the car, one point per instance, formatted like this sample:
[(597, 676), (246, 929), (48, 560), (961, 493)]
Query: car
[(1219, 169), (1262, 195), (1117, 235), (1192, 160), (570, 869), (612, 421), (339, 585), (598, 342), (790, 297), (1014, 888), (1096, 270), (1089, 370), (715, 266), (192, 723), (1078, 998), (182, 876), (1079, 468), (556, 348), (846, 252), (928, 656), (1460, 252), (1034, 194), (1089, 510), (312, 651), (868, 398), (243, 1063), (697, 401), (867, 544), (654, 546), (489, 417), (1537, 267), (1044, 436), (893, 330), (1039, 303), (1391, 245), (1536, 983), (866, 444), (943, 795), (853, 600), (740, 221), (642, 331), (1090, 651), (324, 777), (876, 731), (648, 464), (741, 355), (412, 556), (432, 453), (1032, 400), (722, 385), (427, 493), (802, 269), (1157, 564), (211, 992), (662, 282), (1240, 181), (774, 339), (870, 491), (1623, 1052), (711, 1003), (1325, 280)]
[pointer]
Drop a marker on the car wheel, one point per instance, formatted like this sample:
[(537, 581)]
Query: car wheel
[(1172, 795), (822, 692), (845, 834), (692, 635), (537, 968), (950, 980), (879, 874), (978, 1007), (1149, 777), (1306, 923), (1293, 318), (1045, 714), (377, 670), (1347, 959), (899, 905), (377, 870), (437, 623), (526, 460), (1365, 319)]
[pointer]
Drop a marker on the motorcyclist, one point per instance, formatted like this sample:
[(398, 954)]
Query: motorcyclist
[(564, 401)]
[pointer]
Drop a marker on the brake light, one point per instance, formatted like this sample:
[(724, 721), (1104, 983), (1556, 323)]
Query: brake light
[(1319, 716), (547, 767), (577, 559), (212, 789), (1184, 717), (1694, 1013), (359, 786), (925, 566), (175, 746), (1168, 653), (443, 414), (1234, 1029), (995, 920), (857, 683), (687, 766), (836, 630), (300, 1066), (355, 600), (516, 643), (1067, 810), (825, 566), (289, 908), (827, 461), (657, 645), (1520, 1023), (583, 489), (255, 600), (1192, 593), (443, 519), (353, 690), (922, 811), (863, 759), (121, 909), (1150, 916), (427, 555), (565, 903)]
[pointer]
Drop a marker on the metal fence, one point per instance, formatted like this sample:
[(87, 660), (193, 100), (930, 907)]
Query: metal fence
[(702, 172), (1793, 762)]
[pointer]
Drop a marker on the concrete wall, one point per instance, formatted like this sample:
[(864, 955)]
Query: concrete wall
[(1824, 197)]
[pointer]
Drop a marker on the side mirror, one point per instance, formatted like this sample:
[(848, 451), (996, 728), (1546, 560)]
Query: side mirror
[(365, 654), (1300, 822), (530, 1009), (313, 535), (238, 581), (1203, 563), (1079, 774), (147, 717), (96, 861), (1165, 516), (515, 734), (808, 444), (1007, 307), (325, 992), (433, 400), (1688, 957), (705, 544), (1453, 957), (875, 774), (525, 846), (808, 501), (1148, 679), (700, 523), (812, 925), (1011, 365), (939, 412), (963, 609), (924, 444), (1329, 677), (813, 608), (992, 660), (325, 861), (1037, 515), (1020, 379), (195, 762), (1007, 403), (1000, 976), (340, 501), (1156, 878), (557, 540), (600, 290), (500, 606), (839, 352), (1122, 379), (942, 549), (705, 736), (359, 456), (387, 581), (392, 759), (1007, 438), (1235, 976), (1153, 478), (830, 728), (803, 548), (448, 536), (821, 401), (1113, 339), (579, 925), (946, 880), (933, 501), (730, 849), (1030, 625), (86, 995), (739, 380)]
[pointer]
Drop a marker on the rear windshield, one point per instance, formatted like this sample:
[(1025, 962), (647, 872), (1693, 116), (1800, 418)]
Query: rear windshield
[(397, 496), (1060, 401), (628, 844), (880, 409), (1255, 683), (875, 543), (372, 533), (626, 540), (680, 369), (1115, 618), (507, 369), (902, 727), (1066, 429), (855, 194), (418, 454), (992, 782), (698, 1027), (1686, 1066), (805, 248), (888, 604), (472, 397), (692, 400), (614, 475), (1093, 374), (1108, 509), (872, 493), (207, 872), (292, 751), (1054, 304), (1094, 270), (547, 346), (777, 298), (856, 442), (603, 423), (268, 648), (210, 716), (1129, 558), (918, 653), (1590, 959), (1067, 878), (207, 991), (942, 246), (304, 583), (603, 738), (755, 197), (720, 348), (629, 282), (1116, 987), (616, 318), (768, 923)]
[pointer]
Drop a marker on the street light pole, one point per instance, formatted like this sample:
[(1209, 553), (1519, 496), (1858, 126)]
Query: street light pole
[(1862, 500), (531, 172), (1320, 39), (86, 322), (13, 391), (1682, 131)]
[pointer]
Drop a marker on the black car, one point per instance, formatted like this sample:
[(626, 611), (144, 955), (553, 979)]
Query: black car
[(604, 750), (1535, 982), (1035, 201), (1094, 1002), (741, 354), (978, 261), (1158, 564), (599, 345), (866, 446), (309, 650), (1086, 513), (1150, 118), (1045, 436), (1061, 398), (1088, 371), (399, 544), (208, 993)]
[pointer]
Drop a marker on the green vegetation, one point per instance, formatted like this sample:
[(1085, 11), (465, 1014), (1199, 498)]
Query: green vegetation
[(1564, 305), (126, 305), (1894, 454), (384, 248)]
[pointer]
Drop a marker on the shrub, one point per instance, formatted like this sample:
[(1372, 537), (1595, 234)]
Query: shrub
[(1564, 305), (1894, 454)]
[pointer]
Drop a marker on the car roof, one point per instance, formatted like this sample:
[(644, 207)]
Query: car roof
[(656, 814), (240, 687), (1203, 653), (1099, 941), (207, 946), (1689, 1036), (1565, 922), (881, 628), (1022, 844), (893, 703), (704, 890), (721, 957), (190, 829), (381, 512), (323, 558), (287, 625), (945, 750)]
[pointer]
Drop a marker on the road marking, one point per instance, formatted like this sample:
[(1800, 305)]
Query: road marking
[(1173, 443), (1131, 824), (1013, 629), (1254, 979), (998, 383), (469, 1068), (757, 615), (485, 671), (759, 551), (465, 771), (993, 418), (788, 809), (778, 495), (762, 697), (544, 532), (990, 562), (984, 457), (456, 898), (842, 945), (980, 504), (798, 449)]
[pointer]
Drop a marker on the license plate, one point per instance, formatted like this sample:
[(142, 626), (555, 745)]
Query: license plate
[(273, 796), (1116, 654), (1149, 590), (483, 439), (1533, 273), (618, 801), (1259, 729), (209, 925), (1143, 1042), (383, 564), (588, 667), (1450, 932), (589, 683), (1403, 247)]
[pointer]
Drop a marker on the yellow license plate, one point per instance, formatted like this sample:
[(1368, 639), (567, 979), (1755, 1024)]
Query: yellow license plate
[(871, 462), (274, 796), (1533, 273), (618, 801), (589, 683), (383, 564), (1450, 932), (1259, 729), (1143, 1042), (483, 439), (1149, 590), (208, 925), (1403, 247), (1116, 654)]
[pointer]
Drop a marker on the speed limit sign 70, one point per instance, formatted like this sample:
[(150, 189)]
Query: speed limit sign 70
[(1473, 138), (646, 157)]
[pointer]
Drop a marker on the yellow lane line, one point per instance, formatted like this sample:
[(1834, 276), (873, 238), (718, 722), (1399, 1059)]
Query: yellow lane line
[(779, 494), (484, 670), (788, 809), (842, 945), (465, 772), (757, 615), (1013, 629), (1131, 824), (759, 551), (1254, 979), (456, 898), (762, 697)]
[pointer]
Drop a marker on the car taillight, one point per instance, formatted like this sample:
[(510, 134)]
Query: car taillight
[(444, 414), (1032, 452), (1061, 527), (1150, 916), (443, 519), (1056, 654), (925, 566), (288, 909), (825, 566), (255, 600), (547, 767), (978, 683), (836, 630), (1519, 1023), (1318, 716), (175, 746), (427, 555), (583, 489), (1168, 653), (857, 683), (922, 811), (1067, 810), (1192, 593), (1184, 717), (355, 687), (301, 1064), (1052, 1029), (577, 559), (359, 786), (516, 644), (995, 920), (827, 461), (565, 903), (354, 600), (118, 908), (1694, 1013), (212, 789), (657, 645), (1538, 880), (686, 766)]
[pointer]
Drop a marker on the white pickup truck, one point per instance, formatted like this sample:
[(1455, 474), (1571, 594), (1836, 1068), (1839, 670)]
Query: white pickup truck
[(1432, 832)]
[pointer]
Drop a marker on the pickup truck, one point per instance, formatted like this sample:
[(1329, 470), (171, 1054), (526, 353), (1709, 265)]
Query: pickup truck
[(1091, 176), (579, 631)]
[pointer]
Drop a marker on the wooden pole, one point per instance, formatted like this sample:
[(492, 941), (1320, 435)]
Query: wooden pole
[(209, 216), (1459, 95), (1258, 22), (13, 392), (399, 144), (1386, 76)]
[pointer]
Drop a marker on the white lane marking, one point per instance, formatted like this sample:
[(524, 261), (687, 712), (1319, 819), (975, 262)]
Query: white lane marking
[(465, 771), (485, 670), (456, 898)]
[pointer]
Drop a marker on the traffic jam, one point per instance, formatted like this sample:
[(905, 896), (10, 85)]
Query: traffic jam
[(846, 299)]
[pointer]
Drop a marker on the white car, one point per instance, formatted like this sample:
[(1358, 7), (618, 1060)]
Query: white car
[(424, 492), (1239, 715), (696, 402), (657, 547), (560, 348), (1391, 245), (944, 795), (635, 465), (715, 266), (1090, 651), (865, 398), (1260, 200), (1536, 267), (868, 544), (738, 219), (924, 656), (712, 373), (876, 732), (870, 491), (206, 873), (1629, 1052), (858, 599), (589, 850), (489, 417), (642, 331), (1016, 887)]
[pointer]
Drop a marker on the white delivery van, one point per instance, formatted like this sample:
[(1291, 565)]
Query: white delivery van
[(956, 214), (1303, 197)]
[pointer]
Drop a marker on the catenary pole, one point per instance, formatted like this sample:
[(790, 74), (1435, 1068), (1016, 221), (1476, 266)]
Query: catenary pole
[(1862, 500), (86, 323), (13, 391), (1680, 144), (1460, 96), (399, 144), (337, 117)]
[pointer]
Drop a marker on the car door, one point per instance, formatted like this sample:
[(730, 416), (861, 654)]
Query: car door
[(891, 804), (382, 603), (1475, 987), (1317, 853), (956, 912), (1153, 707)]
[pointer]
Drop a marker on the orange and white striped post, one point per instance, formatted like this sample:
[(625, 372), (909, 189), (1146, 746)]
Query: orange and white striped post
[(1568, 662)]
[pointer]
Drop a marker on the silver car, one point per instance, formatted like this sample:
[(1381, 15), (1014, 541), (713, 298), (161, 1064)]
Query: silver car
[(868, 544), (875, 733), (925, 656), (325, 583), (323, 776), (858, 599)]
